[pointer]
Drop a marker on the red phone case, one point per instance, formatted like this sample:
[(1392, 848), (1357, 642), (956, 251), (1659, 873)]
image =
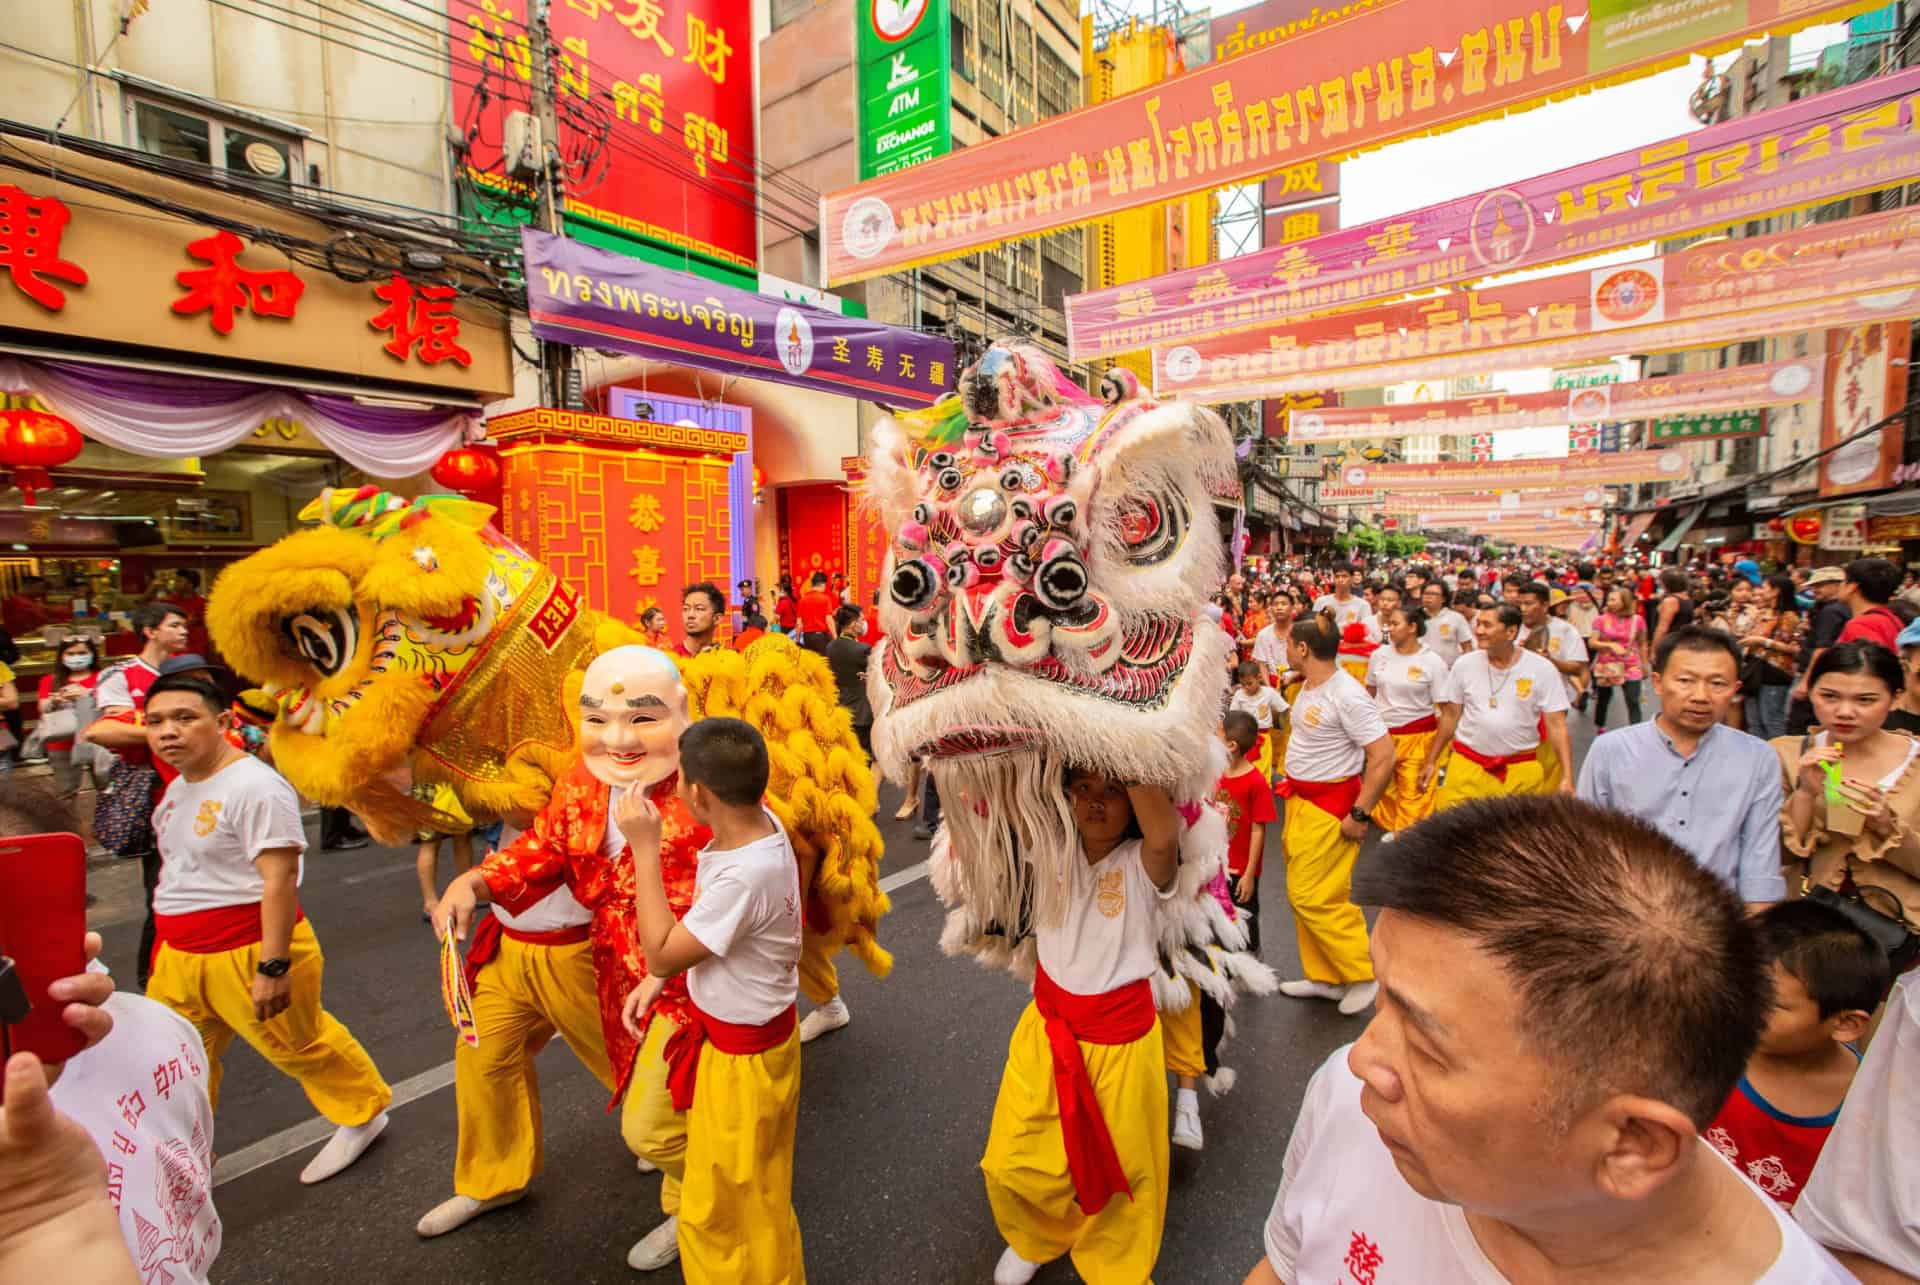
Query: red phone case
[(43, 928)]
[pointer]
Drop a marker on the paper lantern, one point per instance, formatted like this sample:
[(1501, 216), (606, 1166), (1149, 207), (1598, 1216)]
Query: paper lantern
[(468, 470), (31, 442), (1776, 526), (1804, 528)]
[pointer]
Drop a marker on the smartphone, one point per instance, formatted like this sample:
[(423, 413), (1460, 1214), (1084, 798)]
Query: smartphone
[(43, 929)]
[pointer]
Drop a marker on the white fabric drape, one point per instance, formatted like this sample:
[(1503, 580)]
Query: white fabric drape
[(170, 432)]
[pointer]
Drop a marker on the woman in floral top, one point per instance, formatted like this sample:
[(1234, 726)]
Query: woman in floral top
[(1619, 648), (1774, 637)]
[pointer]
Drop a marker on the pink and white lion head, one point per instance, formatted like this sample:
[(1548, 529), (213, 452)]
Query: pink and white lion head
[(1045, 595)]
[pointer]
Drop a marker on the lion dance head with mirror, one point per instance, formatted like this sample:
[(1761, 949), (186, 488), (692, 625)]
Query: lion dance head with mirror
[(1050, 560)]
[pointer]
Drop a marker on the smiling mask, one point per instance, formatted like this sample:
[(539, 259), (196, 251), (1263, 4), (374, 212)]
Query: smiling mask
[(632, 711)]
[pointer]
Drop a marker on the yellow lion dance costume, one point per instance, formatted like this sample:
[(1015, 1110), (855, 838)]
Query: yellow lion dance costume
[(410, 642)]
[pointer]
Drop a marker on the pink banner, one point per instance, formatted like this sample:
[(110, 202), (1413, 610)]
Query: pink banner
[(1407, 500), (1818, 149), (1714, 293), (1779, 383), (1477, 475)]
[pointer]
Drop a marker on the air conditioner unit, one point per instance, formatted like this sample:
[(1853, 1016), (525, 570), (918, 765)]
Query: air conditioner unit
[(521, 146)]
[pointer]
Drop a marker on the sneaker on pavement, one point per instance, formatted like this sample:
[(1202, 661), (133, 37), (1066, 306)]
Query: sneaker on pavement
[(645, 1165), (1186, 1129), (830, 1016), (458, 1211), (1359, 998), (657, 1248), (1013, 1269), (348, 1143), (1312, 990)]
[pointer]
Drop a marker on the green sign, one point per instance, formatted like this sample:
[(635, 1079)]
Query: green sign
[(1693, 428), (906, 103)]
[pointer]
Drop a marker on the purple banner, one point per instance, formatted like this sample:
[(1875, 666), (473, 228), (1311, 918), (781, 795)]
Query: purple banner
[(597, 299), (1808, 152)]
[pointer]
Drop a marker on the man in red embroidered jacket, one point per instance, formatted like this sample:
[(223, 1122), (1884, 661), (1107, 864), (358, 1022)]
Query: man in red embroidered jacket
[(632, 711)]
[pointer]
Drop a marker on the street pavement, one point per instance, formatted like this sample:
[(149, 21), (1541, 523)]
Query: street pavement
[(894, 1113)]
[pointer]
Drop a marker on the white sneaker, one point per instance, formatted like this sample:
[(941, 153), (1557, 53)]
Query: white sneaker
[(1013, 1269), (830, 1016), (348, 1143), (1312, 990), (1359, 998), (458, 1211), (645, 1165), (1186, 1129), (657, 1248)]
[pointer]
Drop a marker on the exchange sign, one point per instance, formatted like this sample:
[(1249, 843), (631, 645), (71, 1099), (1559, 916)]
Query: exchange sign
[(905, 94)]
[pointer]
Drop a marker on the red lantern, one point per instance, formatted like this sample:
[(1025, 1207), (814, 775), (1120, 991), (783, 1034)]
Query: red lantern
[(1804, 528), (468, 470), (1777, 525), (31, 442)]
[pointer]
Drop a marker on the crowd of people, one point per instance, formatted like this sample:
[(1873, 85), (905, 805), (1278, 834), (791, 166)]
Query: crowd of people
[(1639, 1015)]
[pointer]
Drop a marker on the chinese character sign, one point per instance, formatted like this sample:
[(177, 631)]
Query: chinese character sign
[(670, 86), (1866, 382)]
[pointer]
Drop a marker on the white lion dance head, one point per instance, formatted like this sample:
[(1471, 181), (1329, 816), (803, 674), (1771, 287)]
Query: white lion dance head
[(1047, 582)]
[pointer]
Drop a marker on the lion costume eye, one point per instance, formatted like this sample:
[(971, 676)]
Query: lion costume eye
[(1152, 526), (326, 637)]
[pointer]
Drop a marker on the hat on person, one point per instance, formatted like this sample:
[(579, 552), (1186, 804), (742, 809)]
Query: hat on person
[(1826, 575), (187, 663), (1909, 637), (1749, 569), (1556, 597)]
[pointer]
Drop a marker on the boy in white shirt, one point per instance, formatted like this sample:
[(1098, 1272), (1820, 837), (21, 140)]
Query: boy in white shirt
[(1267, 707), (735, 1068)]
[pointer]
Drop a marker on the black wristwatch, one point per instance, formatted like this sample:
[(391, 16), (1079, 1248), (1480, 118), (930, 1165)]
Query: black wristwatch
[(1361, 815), (273, 967)]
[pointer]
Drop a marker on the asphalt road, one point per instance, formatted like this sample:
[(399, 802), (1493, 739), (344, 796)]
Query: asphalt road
[(893, 1119)]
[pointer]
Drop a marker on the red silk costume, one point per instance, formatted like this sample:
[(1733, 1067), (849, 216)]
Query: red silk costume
[(565, 845)]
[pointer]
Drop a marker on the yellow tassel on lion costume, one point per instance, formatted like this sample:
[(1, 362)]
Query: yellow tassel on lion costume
[(820, 785)]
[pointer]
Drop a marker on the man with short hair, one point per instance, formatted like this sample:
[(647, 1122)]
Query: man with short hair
[(1566, 1000), (1448, 634), (234, 953), (1560, 643), (1869, 586), (1713, 790), (1346, 606), (1493, 705), (815, 610), (1829, 616), (702, 606)]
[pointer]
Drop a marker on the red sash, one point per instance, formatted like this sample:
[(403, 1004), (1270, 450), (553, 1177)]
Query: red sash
[(210, 932), (1496, 765), (1335, 798), (485, 943), (683, 1047), (1431, 723), (1118, 1017)]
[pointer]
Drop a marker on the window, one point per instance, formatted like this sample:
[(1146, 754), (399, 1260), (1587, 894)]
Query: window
[(243, 150)]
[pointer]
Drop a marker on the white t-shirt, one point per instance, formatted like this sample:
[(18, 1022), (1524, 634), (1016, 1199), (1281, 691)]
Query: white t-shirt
[(210, 834), (1563, 643), (1106, 938), (141, 1095), (1500, 711), (746, 910), (1270, 649), (1448, 634), (1345, 613), (1332, 726), (1405, 687), (1864, 1194), (1266, 705), (1344, 1213)]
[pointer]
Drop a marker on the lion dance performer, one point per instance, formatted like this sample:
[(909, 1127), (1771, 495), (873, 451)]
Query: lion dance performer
[(1049, 656)]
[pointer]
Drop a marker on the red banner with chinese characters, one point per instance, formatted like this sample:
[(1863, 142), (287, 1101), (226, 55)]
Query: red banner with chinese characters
[(655, 105), (1816, 149), (1866, 382), (1779, 383), (1369, 72), (1464, 475), (1713, 293), (813, 529), (867, 541)]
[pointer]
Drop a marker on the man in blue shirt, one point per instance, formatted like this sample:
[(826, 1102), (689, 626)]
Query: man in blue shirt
[(1709, 788)]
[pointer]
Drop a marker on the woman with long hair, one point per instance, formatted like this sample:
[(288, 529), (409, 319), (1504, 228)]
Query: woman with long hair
[(1864, 826), (1773, 640), (1403, 678), (64, 689), (1619, 655)]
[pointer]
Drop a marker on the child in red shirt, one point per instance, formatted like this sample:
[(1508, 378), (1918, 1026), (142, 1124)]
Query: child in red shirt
[(1247, 797), (1828, 977)]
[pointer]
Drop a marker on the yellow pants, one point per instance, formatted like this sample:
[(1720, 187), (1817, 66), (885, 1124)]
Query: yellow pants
[(653, 1130), (737, 1223), (1180, 1033), (1405, 803), (1549, 767), (1026, 1161), (1331, 930), (1467, 780), (1269, 753), (819, 980), (520, 999), (215, 993), (1357, 666)]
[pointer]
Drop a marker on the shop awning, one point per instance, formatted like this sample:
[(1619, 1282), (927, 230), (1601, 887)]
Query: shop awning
[(1637, 528), (1672, 542)]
